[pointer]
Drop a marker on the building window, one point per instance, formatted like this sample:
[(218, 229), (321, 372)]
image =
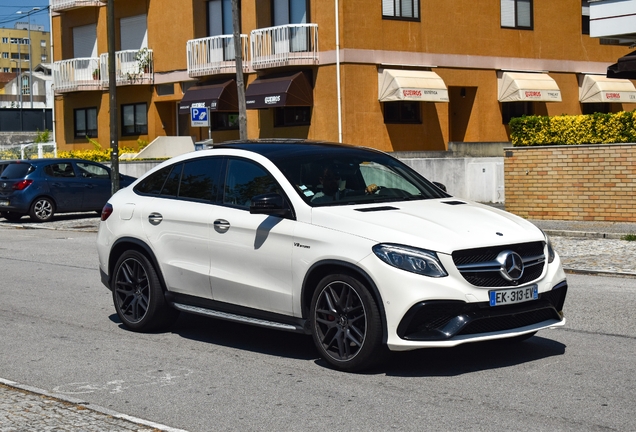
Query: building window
[(290, 12), (510, 110), (224, 121), (86, 123), (220, 17), (43, 43), (402, 112), (5, 40), (403, 9), (596, 107), (134, 119), (585, 17), (516, 14), (292, 116), (5, 55)]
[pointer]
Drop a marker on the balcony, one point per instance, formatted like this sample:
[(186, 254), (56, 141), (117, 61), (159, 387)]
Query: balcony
[(64, 5), (614, 20), (78, 74), (214, 55), (132, 67), (291, 44)]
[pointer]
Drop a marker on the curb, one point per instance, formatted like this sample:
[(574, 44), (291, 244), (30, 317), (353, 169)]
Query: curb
[(599, 273), (89, 406), (584, 234)]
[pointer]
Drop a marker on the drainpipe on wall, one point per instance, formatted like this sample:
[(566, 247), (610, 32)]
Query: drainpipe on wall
[(338, 75)]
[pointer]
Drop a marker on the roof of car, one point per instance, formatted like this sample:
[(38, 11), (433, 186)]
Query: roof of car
[(276, 147)]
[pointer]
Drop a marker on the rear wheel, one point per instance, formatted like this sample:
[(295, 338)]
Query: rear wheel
[(345, 323), (42, 210), (138, 296)]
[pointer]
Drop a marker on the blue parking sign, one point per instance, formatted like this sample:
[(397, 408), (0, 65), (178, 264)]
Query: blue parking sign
[(199, 116)]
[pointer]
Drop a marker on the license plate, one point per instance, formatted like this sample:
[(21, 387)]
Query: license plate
[(514, 295), (4, 203)]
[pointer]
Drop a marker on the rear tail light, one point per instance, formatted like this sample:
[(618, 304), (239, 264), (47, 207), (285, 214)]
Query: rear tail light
[(107, 211), (22, 184)]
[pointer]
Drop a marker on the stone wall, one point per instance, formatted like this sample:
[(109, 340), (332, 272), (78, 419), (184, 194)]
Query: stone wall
[(583, 182)]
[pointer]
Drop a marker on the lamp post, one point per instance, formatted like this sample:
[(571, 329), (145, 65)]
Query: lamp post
[(28, 14)]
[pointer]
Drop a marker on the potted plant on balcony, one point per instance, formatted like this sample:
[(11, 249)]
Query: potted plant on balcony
[(142, 60), (96, 74)]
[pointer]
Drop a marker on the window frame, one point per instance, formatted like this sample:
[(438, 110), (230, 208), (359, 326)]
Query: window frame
[(415, 4), (138, 129), (280, 116), (516, 25), (86, 130)]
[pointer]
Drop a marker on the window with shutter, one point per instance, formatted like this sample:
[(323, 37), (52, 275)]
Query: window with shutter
[(517, 14), (85, 41), (134, 33), (401, 9)]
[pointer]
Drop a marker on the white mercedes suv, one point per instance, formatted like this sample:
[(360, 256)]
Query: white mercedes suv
[(344, 243)]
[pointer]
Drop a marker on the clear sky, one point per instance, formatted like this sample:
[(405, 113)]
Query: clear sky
[(9, 15)]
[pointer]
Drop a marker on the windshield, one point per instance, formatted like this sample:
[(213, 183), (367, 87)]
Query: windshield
[(343, 176)]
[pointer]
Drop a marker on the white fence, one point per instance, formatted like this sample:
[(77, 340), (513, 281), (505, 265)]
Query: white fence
[(291, 44), (214, 55)]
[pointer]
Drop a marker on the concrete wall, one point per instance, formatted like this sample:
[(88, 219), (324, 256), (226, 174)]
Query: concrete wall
[(582, 182)]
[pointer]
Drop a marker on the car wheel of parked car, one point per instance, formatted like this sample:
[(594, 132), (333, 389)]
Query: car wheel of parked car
[(345, 323), (42, 209), (11, 216), (138, 296)]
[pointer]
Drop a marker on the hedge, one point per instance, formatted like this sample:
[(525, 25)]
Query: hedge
[(595, 128)]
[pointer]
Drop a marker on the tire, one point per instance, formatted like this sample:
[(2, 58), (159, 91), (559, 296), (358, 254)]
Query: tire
[(11, 216), (346, 325), (137, 294), (42, 210)]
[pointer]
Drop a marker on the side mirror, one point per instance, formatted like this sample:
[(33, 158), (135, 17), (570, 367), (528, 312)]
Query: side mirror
[(440, 186), (270, 204)]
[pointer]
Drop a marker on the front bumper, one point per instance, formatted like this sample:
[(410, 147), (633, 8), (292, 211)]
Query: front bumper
[(444, 320)]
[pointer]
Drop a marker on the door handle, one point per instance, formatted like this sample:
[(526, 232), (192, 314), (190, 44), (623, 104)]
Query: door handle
[(221, 226), (155, 218)]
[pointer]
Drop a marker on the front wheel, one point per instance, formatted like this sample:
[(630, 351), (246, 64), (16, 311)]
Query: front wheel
[(345, 324), (138, 296), (42, 210)]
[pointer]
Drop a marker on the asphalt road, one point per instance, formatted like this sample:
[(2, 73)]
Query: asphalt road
[(59, 332)]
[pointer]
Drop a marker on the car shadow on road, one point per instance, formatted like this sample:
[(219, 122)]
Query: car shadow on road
[(463, 359), (241, 336), (471, 357)]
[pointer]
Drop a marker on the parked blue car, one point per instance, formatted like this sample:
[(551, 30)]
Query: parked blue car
[(43, 187)]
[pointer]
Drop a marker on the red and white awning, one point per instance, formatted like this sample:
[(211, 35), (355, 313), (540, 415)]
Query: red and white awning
[(527, 87), (411, 85)]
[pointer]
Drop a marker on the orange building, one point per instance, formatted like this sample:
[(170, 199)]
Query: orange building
[(409, 75)]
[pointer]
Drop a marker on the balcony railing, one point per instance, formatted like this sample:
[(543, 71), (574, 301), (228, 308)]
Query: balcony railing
[(61, 5), (214, 55), (291, 44), (78, 74), (132, 67)]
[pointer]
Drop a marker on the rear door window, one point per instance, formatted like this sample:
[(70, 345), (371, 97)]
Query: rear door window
[(59, 170)]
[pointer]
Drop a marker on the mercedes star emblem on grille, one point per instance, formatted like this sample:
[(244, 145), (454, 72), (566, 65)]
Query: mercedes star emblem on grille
[(511, 265)]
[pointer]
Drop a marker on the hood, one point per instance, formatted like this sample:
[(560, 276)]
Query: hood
[(441, 225)]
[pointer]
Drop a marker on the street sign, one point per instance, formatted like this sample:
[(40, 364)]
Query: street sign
[(199, 116)]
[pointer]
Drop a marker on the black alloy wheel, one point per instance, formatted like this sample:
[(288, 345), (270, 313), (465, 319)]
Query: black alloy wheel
[(42, 210), (346, 324), (138, 296)]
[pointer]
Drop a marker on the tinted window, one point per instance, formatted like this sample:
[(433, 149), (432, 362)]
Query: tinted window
[(17, 170), (245, 180), (200, 179), (153, 184), (59, 170), (93, 171), (171, 187)]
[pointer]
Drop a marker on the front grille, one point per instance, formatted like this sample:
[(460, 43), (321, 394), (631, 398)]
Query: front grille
[(441, 320), (480, 267)]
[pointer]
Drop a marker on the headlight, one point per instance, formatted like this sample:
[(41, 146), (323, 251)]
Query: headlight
[(413, 260), (551, 254)]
